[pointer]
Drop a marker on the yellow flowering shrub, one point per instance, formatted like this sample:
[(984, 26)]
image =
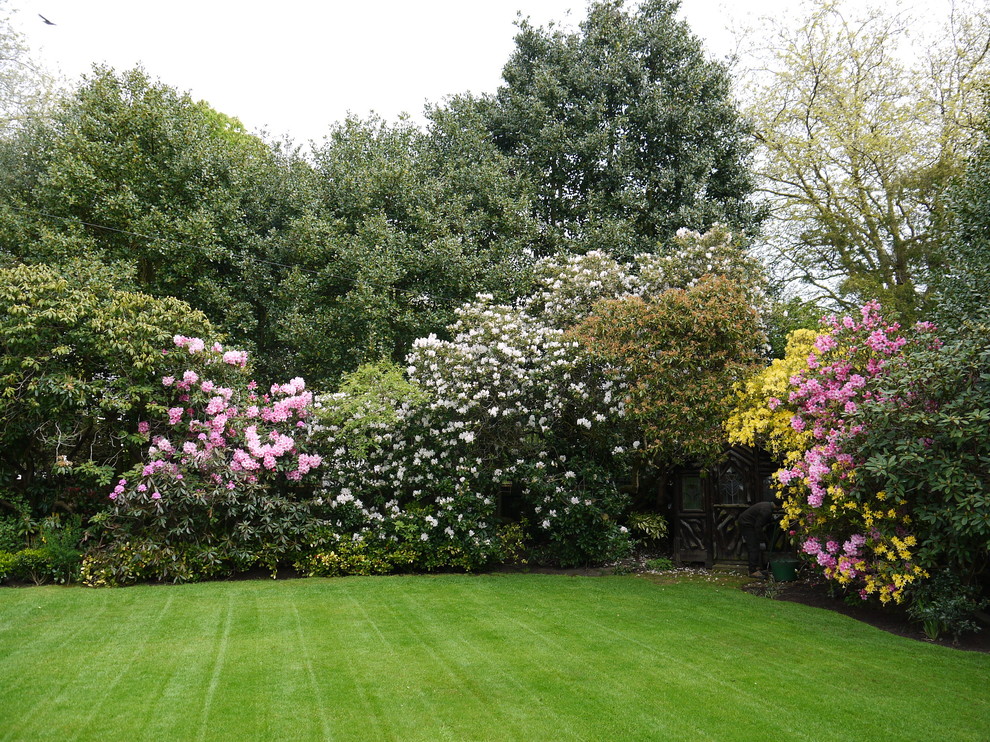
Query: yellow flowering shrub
[(761, 416)]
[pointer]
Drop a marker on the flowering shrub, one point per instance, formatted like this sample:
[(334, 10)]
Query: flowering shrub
[(859, 536), (227, 479), (759, 416), (511, 401), (507, 401), (517, 406), (79, 361), (924, 439)]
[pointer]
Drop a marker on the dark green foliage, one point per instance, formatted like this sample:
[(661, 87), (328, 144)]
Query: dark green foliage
[(586, 532), (176, 196), (79, 362), (397, 548), (49, 554), (964, 289), (41, 565), (944, 605), (926, 441), (405, 226), (626, 129), (11, 533), (195, 537), (660, 564)]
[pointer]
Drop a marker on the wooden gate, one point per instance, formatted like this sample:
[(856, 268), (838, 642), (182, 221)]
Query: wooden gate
[(707, 504)]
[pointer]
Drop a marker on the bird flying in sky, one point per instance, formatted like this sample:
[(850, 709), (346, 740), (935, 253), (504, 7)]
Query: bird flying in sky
[(48, 22)]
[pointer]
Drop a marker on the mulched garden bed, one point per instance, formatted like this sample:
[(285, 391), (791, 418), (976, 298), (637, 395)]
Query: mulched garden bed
[(893, 619)]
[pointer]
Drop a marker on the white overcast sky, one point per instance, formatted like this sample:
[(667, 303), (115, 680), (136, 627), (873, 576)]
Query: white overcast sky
[(294, 67)]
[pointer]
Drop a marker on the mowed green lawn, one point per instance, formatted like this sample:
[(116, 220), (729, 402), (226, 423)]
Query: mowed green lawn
[(460, 657)]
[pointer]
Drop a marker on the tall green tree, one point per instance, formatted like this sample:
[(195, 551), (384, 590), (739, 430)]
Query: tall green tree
[(131, 173), (405, 226), (963, 289), (860, 134), (626, 129)]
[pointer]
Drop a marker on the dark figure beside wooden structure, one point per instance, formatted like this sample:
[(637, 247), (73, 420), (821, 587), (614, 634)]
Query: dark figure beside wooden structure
[(706, 505), (752, 524)]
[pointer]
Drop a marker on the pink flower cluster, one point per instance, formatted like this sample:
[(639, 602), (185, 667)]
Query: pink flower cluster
[(832, 389), (235, 358), (835, 559), (217, 439), (193, 345)]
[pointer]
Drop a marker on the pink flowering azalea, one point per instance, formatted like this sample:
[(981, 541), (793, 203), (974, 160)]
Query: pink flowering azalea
[(825, 343), (235, 358), (217, 405), (825, 398)]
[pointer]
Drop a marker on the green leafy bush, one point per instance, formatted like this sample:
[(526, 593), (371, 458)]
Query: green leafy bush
[(31, 565), (924, 441), (128, 562), (660, 564), (945, 606), (7, 560), (54, 558), (651, 526), (12, 533), (60, 539), (79, 366), (586, 529), (357, 557)]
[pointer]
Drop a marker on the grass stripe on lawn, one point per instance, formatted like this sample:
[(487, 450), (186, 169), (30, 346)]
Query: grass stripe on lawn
[(458, 657)]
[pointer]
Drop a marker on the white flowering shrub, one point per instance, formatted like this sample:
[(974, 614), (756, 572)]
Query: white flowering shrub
[(415, 465), (567, 287), (694, 255), (506, 401)]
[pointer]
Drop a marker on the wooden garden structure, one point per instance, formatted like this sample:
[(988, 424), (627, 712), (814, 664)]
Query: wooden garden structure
[(705, 505)]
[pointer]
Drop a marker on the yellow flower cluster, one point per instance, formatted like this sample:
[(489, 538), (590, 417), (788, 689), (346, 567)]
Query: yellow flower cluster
[(752, 422)]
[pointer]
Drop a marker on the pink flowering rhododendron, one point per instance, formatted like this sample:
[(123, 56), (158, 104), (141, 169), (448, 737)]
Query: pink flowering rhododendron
[(856, 538), (214, 439)]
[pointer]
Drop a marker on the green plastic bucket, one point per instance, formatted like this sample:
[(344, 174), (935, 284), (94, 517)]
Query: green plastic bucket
[(784, 569)]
